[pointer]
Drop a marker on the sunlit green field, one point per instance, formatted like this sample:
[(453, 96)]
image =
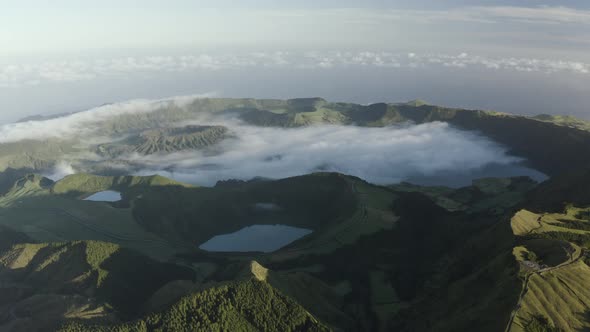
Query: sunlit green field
[(557, 291)]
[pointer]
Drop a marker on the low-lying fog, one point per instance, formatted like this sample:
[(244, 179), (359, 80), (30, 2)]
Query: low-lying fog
[(430, 154)]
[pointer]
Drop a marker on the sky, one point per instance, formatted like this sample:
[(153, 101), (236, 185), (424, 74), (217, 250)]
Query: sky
[(62, 26), (524, 56)]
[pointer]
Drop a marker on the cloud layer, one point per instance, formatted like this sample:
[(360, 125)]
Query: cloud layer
[(48, 27), (379, 155), (84, 122), (16, 75), (493, 15)]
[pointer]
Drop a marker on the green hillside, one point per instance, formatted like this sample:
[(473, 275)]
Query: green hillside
[(79, 185), (564, 120), (531, 138), (551, 253), (81, 280), (54, 212), (500, 254), (196, 214), (387, 279), (377, 259), (553, 239), (247, 304), (165, 140), (394, 259)]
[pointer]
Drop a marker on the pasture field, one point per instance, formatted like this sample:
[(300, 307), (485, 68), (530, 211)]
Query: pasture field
[(555, 291)]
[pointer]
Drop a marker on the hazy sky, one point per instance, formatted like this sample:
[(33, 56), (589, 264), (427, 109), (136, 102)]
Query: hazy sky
[(521, 56), (62, 26)]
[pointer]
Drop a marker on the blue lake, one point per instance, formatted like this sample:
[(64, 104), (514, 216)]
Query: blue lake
[(264, 238), (105, 196), (462, 178)]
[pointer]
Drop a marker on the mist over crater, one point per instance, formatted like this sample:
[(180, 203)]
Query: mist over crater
[(201, 141), (433, 153)]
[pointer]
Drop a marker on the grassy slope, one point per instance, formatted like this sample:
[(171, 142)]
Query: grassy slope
[(484, 195), (368, 268), (554, 194), (49, 212), (372, 214), (33, 154), (359, 268), (10, 237), (460, 270), (561, 295), (453, 287), (165, 140), (197, 214), (527, 137), (384, 259), (85, 184), (316, 200), (564, 120), (248, 303), (92, 278), (398, 278), (555, 295)]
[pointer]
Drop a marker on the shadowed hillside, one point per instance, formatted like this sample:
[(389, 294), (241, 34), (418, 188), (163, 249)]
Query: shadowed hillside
[(247, 304), (93, 280), (378, 257), (500, 254)]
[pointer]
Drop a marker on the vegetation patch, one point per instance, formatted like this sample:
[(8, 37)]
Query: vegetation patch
[(250, 305)]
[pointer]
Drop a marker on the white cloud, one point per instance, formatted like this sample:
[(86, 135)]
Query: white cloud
[(379, 155), (61, 170), (85, 122), (542, 14), (118, 68)]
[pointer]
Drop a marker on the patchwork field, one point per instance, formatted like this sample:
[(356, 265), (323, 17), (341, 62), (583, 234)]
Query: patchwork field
[(553, 260)]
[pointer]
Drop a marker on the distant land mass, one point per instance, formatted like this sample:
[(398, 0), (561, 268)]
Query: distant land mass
[(41, 117)]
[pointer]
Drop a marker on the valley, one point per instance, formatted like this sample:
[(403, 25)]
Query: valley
[(318, 251)]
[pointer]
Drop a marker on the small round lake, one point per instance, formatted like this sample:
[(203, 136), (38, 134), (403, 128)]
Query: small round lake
[(105, 196), (264, 238)]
